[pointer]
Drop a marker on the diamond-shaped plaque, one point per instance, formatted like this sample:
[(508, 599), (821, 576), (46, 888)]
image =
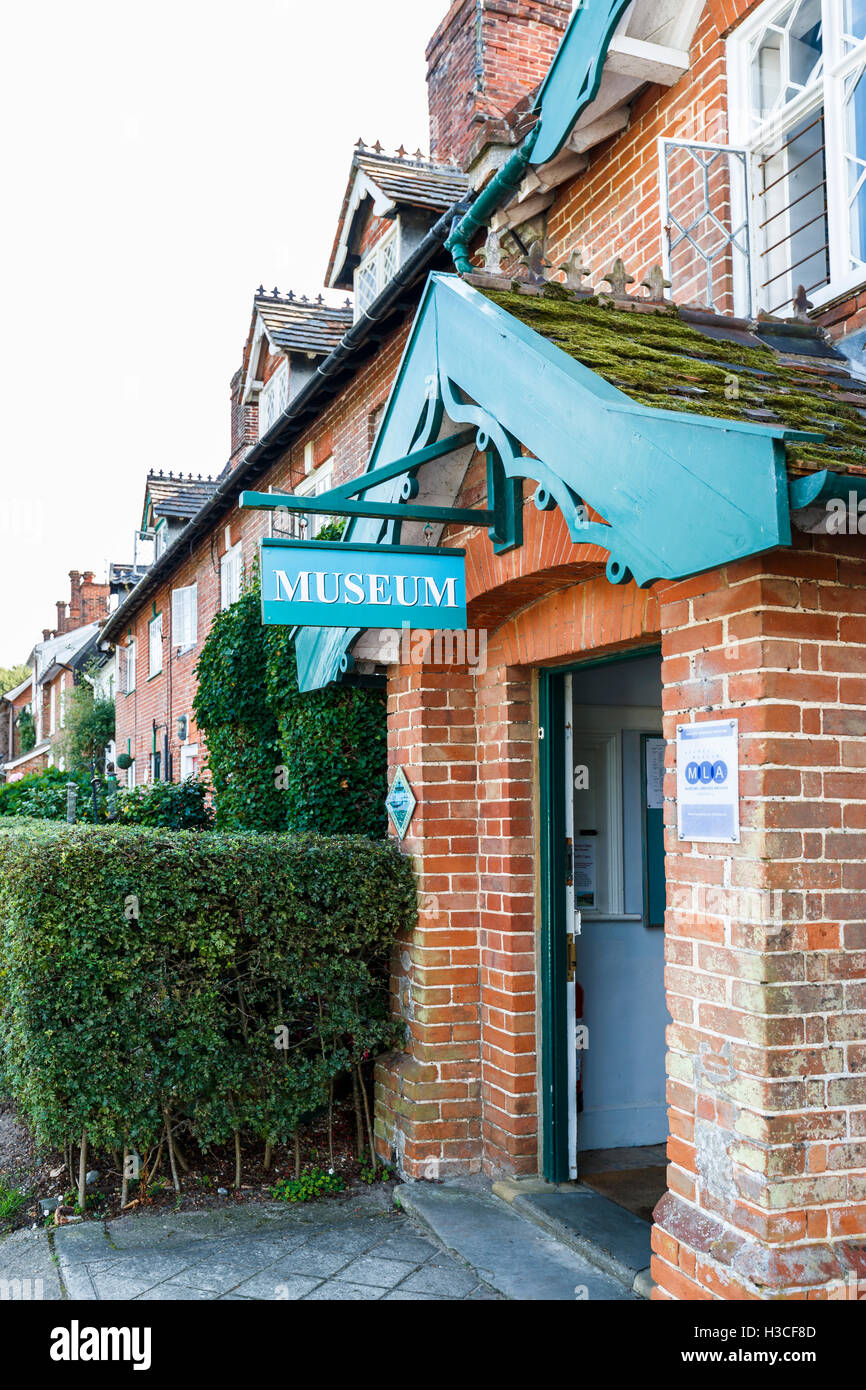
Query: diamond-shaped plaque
[(401, 802)]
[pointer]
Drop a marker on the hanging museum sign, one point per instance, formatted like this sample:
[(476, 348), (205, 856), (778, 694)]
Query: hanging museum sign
[(317, 584), (708, 781)]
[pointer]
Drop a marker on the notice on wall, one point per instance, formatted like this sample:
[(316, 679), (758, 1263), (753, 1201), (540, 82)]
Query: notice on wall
[(655, 774), (584, 872), (708, 781)]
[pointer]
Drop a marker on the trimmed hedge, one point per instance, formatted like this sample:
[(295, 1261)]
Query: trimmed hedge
[(171, 805), (147, 975)]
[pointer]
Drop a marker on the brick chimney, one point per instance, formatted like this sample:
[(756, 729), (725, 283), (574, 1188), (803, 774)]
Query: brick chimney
[(484, 57), (245, 422), (93, 599), (74, 600)]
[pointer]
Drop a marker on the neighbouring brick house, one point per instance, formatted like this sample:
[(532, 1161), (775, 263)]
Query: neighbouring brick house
[(714, 451), (66, 654)]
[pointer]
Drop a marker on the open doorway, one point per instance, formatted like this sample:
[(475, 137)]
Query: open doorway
[(604, 1015)]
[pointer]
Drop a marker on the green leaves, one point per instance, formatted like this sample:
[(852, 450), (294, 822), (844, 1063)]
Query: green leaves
[(253, 972), (279, 759)]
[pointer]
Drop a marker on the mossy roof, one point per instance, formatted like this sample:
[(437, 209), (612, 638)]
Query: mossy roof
[(659, 359)]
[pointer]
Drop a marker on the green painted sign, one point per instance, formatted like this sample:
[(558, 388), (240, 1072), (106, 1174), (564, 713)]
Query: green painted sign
[(318, 584), (401, 802)]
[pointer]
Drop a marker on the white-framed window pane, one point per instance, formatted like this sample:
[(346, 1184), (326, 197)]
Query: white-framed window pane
[(273, 399), (188, 760), (792, 214), (389, 260), (787, 57), (130, 668), (367, 284), (854, 22), (855, 162), (184, 617), (230, 576), (155, 645)]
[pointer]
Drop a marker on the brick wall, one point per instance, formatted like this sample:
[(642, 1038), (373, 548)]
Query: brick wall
[(482, 60), (343, 431), (614, 208), (766, 940)]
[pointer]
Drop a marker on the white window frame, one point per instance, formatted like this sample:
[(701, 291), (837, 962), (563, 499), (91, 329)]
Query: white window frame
[(826, 90), (297, 524), (154, 648), (52, 708), (160, 538), (63, 700), (273, 398), (129, 672), (188, 760), (184, 617), (231, 575), (374, 263)]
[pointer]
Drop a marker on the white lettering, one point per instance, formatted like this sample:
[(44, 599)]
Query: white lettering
[(321, 576), (354, 588), (377, 584), (435, 596), (77, 1343), (290, 589), (401, 581)]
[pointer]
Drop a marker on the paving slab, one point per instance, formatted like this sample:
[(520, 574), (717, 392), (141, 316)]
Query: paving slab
[(610, 1237), (28, 1269), (508, 1252), (358, 1248)]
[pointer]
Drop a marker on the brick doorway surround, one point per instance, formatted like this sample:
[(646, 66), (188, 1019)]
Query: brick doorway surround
[(765, 941)]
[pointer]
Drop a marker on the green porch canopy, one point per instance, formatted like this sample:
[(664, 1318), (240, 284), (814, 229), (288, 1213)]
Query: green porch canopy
[(681, 488)]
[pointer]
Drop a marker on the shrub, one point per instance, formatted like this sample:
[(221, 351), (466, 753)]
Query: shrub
[(223, 981), (42, 795), (26, 730), (89, 727), (167, 805), (240, 728), (278, 758)]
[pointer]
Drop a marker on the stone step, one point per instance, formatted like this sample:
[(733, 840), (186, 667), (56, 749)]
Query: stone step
[(512, 1254), (609, 1236)]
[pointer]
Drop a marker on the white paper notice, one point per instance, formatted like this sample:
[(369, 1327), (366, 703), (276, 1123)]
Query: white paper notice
[(708, 781), (584, 872), (655, 774)]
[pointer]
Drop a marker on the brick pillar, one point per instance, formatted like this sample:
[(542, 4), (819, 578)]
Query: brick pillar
[(766, 940), (507, 919), (428, 1106)]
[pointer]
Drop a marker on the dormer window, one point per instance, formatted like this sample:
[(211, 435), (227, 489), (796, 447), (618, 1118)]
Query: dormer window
[(377, 268), (273, 398)]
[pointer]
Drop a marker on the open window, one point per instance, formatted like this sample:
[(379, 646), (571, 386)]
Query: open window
[(797, 98)]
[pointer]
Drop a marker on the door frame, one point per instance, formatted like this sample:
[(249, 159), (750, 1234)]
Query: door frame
[(555, 1163)]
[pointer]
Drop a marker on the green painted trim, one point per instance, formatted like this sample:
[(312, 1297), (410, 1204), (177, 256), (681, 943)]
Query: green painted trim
[(554, 1069), (385, 511), (504, 183), (633, 654), (825, 486), (286, 543), (386, 471), (574, 76)]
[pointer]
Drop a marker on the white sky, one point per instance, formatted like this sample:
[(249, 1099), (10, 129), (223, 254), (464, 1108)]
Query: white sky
[(159, 161)]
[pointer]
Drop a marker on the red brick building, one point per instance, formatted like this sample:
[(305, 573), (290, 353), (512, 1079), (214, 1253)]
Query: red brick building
[(710, 996)]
